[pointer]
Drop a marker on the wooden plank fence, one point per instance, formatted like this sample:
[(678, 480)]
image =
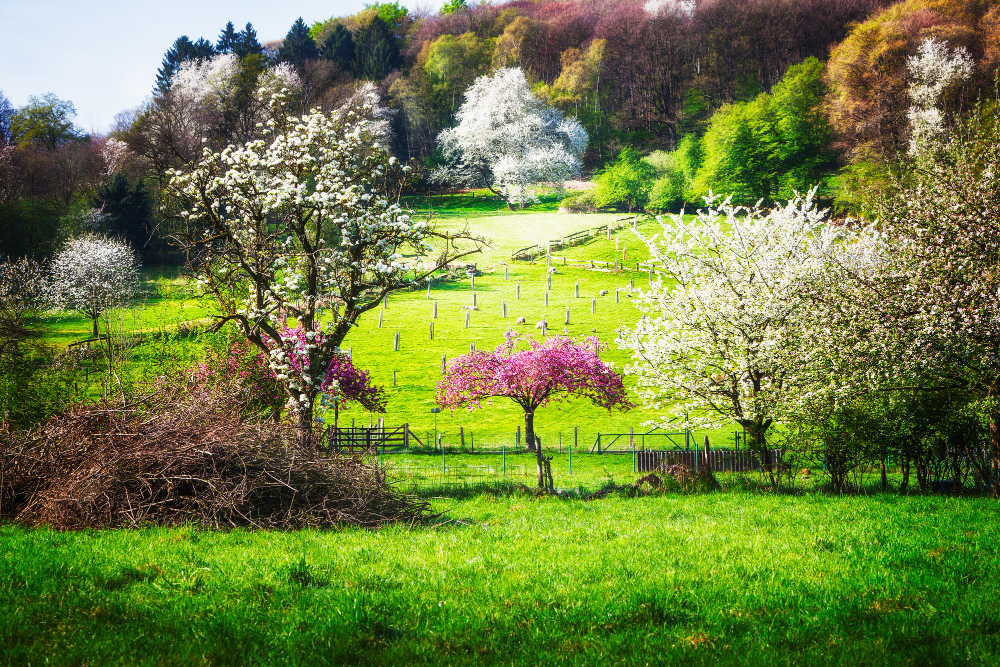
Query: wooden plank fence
[(363, 438), (719, 460), (529, 253)]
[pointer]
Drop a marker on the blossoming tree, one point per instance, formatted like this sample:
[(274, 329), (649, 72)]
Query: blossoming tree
[(507, 140), (305, 224), (92, 274), (723, 332), (547, 371)]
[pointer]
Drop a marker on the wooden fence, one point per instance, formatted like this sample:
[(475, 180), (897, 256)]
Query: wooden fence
[(529, 253), (363, 438), (719, 460)]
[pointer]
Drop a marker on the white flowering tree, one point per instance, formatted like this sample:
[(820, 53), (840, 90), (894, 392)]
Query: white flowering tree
[(932, 71), (722, 338), (509, 141), (93, 274), (304, 224)]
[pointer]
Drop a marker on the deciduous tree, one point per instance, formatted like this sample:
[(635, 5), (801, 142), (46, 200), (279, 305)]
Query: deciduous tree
[(553, 369)]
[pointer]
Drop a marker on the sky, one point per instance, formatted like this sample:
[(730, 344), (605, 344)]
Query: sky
[(103, 55)]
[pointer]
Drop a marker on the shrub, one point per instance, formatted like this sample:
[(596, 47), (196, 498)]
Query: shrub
[(625, 183)]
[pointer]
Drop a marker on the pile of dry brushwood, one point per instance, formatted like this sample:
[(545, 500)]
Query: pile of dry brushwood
[(172, 459)]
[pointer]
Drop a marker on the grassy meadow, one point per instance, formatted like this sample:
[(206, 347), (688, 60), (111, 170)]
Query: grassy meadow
[(730, 579)]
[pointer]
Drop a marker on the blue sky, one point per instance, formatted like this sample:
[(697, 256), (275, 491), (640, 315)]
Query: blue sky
[(103, 56)]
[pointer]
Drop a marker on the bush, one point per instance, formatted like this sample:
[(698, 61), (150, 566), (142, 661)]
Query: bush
[(626, 183)]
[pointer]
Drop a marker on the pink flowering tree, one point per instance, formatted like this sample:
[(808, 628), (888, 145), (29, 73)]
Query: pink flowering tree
[(546, 371), (252, 375)]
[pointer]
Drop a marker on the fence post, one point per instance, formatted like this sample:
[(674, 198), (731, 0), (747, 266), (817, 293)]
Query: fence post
[(518, 289), (517, 440), (506, 272), (696, 460), (687, 439), (503, 456), (569, 449), (380, 318), (576, 434), (442, 458), (634, 466)]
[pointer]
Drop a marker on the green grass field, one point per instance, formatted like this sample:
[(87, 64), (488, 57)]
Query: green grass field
[(731, 579)]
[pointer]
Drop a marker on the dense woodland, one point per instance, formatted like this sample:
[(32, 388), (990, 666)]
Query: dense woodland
[(751, 97)]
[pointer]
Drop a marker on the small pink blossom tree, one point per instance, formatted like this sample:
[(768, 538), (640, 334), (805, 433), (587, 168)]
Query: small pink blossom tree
[(547, 371)]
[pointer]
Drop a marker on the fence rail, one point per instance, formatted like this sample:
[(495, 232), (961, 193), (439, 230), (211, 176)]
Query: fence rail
[(716, 460), (529, 253)]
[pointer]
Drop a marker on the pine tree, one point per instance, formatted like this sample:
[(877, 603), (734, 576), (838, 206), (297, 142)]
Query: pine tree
[(298, 46), (338, 46), (377, 50), (227, 39), (246, 43), (126, 211), (182, 49)]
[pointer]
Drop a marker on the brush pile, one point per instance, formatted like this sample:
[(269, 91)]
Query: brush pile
[(175, 459)]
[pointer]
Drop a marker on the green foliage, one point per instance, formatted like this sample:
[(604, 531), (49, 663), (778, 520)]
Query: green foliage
[(625, 183), (391, 13), (769, 147), (45, 120), (452, 6), (452, 64)]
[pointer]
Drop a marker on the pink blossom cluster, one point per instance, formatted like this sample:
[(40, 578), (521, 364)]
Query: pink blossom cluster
[(543, 372)]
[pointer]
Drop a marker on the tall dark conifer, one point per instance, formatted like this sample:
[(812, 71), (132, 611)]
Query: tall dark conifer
[(338, 46), (227, 39), (246, 43), (298, 46), (182, 49), (377, 50)]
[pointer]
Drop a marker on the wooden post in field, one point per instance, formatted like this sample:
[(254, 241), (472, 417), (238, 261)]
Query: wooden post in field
[(473, 282), (506, 272), (518, 438), (567, 316), (468, 316), (631, 283), (650, 274), (503, 310), (617, 249), (576, 436), (395, 342), (385, 301), (394, 378), (593, 306), (546, 297), (432, 331), (350, 353), (435, 309), (548, 281), (472, 346), (444, 364), (708, 447), (380, 318), (518, 289), (617, 300), (428, 288), (461, 435), (624, 256), (474, 298), (576, 290)]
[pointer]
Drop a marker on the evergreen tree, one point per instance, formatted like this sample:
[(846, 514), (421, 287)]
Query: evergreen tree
[(246, 43), (227, 39), (6, 117), (126, 211), (181, 50), (298, 46), (338, 46), (377, 50)]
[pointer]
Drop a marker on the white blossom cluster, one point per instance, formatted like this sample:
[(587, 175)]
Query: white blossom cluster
[(726, 327), (680, 8), (92, 273), (296, 225), (509, 140), (934, 69)]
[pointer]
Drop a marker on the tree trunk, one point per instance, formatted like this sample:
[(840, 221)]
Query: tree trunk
[(304, 426), (989, 479), (529, 434), (96, 333)]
